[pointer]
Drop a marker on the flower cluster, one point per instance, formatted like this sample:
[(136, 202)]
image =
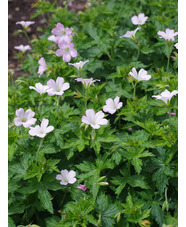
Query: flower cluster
[(136, 20), (63, 37), (52, 88), (25, 25)]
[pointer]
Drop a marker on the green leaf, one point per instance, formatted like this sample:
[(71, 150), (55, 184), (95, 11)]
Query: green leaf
[(48, 149), (11, 222), (17, 208), (108, 211), (138, 181), (52, 221), (157, 213), (137, 163), (45, 198)]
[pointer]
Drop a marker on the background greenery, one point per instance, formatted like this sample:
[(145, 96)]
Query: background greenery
[(139, 164)]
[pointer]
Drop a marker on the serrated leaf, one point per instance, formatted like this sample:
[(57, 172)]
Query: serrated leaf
[(138, 181), (48, 149), (45, 198), (157, 213), (137, 163), (52, 221), (11, 222)]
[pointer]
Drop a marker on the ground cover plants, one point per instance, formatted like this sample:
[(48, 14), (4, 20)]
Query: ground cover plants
[(93, 125)]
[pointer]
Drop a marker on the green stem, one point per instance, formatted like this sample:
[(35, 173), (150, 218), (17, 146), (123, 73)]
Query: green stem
[(20, 146), (37, 152), (134, 86), (138, 53), (169, 52), (169, 117), (65, 191), (138, 50), (112, 50), (57, 99), (22, 135), (85, 97), (39, 106), (24, 31), (168, 63), (122, 4)]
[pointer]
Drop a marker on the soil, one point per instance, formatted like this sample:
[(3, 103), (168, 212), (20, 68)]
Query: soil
[(23, 10)]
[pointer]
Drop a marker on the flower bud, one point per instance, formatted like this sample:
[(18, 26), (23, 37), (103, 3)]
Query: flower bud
[(101, 178), (165, 206), (103, 183), (118, 217)]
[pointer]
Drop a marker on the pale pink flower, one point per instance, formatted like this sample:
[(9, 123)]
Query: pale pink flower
[(82, 187), (23, 48), (41, 89), (70, 4), (94, 120), (24, 118), (66, 177), (66, 50), (142, 75), (57, 87), (176, 45), (130, 34), (139, 20), (86, 82), (52, 38), (112, 105), (166, 95), (41, 131), (25, 24), (168, 34), (62, 34), (79, 65), (42, 66)]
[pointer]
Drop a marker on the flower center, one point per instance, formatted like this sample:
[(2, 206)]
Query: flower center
[(23, 119), (67, 49), (63, 32), (58, 89)]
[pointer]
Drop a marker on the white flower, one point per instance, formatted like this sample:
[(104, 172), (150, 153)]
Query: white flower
[(142, 75), (42, 66), (130, 34), (112, 105), (41, 89), (25, 24), (94, 120), (139, 20), (41, 131), (166, 95), (168, 34), (58, 87), (79, 65), (176, 45), (52, 38), (66, 177), (86, 82), (23, 48), (24, 118)]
